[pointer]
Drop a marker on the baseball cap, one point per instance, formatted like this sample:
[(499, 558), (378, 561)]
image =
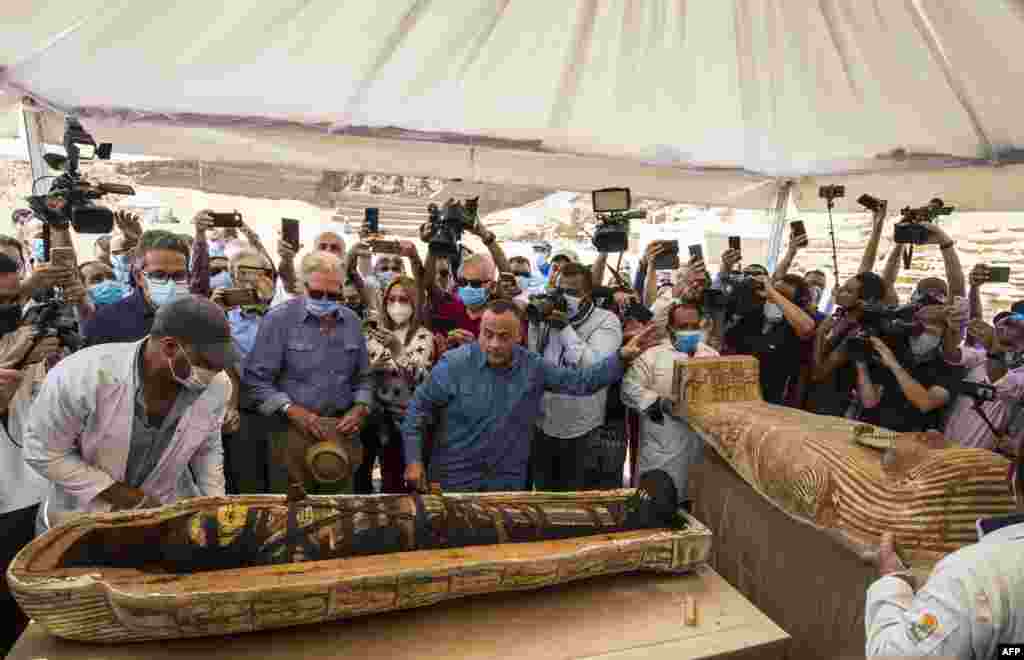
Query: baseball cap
[(202, 325)]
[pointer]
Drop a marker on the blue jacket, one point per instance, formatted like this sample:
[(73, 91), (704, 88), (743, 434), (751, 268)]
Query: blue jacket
[(129, 319)]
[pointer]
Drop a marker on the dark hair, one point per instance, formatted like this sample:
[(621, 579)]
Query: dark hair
[(415, 323), (573, 269), (872, 287), (8, 241), (81, 266), (503, 306), (7, 265), (801, 291), (521, 260), (1018, 307), (815, 272), (159, 239)]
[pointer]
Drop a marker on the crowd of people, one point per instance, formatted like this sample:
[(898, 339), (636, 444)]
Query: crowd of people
[(208, 366)]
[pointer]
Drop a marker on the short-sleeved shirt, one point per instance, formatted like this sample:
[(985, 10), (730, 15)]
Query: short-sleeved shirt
[(897, 413)]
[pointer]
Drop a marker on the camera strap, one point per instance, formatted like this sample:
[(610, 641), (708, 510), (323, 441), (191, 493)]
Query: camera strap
[(908, 256)]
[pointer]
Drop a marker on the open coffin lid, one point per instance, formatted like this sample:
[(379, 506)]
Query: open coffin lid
[(100, 578)]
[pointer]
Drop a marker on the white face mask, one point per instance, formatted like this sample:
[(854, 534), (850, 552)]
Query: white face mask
[(400, 313), (198, 379)]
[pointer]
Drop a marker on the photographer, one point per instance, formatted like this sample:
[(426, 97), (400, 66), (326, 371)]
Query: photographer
[(773, 331), (571, 432), (918, 384), (938, 290), (986, 364)]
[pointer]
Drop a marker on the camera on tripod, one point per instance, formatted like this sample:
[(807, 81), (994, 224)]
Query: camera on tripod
[(540, 305), (443, 234), (612, 208), (910, 230), (70, 199)]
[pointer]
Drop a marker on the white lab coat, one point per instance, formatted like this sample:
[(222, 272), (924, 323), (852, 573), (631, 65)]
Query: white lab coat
[(973, 601), (672, 446)]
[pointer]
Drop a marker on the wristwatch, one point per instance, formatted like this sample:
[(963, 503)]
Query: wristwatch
[(284, 409)]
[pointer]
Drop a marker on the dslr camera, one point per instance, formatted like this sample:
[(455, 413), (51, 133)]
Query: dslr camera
[(540, 305), (70, 199), (910, 230), (737, 297), (881, 321), (443, 233), (612, 208)]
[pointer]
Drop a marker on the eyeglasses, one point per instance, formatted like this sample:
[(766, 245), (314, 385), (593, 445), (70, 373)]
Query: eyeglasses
[(255, 271), (330, 247), (392, 269), (163, 277), (217, 270), (320, 295)]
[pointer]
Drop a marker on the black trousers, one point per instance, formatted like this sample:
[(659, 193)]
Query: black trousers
[(245, 455), (17, 528), (559, 464)]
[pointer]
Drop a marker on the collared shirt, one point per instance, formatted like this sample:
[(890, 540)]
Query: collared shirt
[(489, 413), (129, 319), (581, 344), (973, 601), (151, 436), (964, 425), (292, 361), (244, 326)]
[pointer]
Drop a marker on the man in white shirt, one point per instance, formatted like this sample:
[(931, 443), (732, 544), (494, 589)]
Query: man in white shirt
[(566, 434)]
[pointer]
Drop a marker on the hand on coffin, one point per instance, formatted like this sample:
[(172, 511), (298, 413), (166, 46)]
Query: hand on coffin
[(415, 478), (640, 343), (352, 422), (888, 561)]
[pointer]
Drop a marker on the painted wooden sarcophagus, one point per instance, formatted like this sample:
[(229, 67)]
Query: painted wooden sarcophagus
[(214, 566), (851, 480)]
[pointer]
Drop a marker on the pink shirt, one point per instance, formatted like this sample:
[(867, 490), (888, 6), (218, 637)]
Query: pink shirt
[(964, 425)]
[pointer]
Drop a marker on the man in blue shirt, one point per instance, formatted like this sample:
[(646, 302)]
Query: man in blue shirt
[(309, 368), (491, 391)]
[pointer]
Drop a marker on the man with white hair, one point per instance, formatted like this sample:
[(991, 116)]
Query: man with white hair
[(309, 371), (476, 284)]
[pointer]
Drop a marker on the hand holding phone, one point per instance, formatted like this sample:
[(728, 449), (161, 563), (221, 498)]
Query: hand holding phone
[(734, 243), (290, 232), (999, 274), (226, 220)]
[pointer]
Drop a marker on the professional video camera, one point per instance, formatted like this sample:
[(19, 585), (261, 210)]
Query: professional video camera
[(737, 296), (54, 318), (540, 305), (881, 321), (910, 230), (611, 206), (70, 198), (445, 226)]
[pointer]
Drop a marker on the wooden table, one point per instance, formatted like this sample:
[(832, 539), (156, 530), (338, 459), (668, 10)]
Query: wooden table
[(620, 617)]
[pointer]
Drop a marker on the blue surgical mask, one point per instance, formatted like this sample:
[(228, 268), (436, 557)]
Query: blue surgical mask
[(523, 281), (162, 293), (686, 341), (122, 268), (38, 251), (472, 296), (322, 308), (107, 292), (572, 306), (772, 312), (221, 280)]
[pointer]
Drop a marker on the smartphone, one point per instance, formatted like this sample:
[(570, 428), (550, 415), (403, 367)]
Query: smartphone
[(233, 219), (371, 222), (999, 274), (290, 232), (797, 228), (734, 242), (63, 257), (237, 297), (696, 253), (669, 258)]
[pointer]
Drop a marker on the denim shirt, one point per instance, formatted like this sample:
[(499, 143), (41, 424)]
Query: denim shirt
[(244, 327), (490, 412), (293, 362)]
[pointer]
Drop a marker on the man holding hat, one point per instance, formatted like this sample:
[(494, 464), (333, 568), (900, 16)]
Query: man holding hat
[(131, 425)]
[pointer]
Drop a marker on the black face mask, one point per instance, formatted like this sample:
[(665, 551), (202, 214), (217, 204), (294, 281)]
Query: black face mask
[(358, 308)]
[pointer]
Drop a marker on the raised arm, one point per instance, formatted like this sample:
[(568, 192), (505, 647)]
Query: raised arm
[(979, 275), (867, 262), (199, 272), (954, 271), (597, 269), (787, 259), (892, 270)]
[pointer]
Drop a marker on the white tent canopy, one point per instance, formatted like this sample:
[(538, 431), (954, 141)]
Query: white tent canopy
[(705, 102)]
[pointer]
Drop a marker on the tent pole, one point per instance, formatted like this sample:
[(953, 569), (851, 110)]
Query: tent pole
[(778, 225), (32, 132)]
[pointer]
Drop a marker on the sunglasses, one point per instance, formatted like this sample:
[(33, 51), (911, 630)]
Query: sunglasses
[(473, 284), (392, 269), (217, 271), (321, 295), (330, 247)]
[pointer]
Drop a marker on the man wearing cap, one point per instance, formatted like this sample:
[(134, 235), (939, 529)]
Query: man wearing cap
[(128, 425)]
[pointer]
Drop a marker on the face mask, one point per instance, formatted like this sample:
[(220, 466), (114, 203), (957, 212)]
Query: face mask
[(772, 312), (523, 281), (359, 309), (107, 292), (216, 249), (473, 297), (121, 268), (922, 345), (221, 280), (322, 308), (573, 306), (161, 293), (198, 379), (686, 341), (385, 277), (400, 313), (38, 253)]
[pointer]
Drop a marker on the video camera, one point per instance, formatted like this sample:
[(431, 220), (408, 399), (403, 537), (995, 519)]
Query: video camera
[(69, 200), (540, 305), (980, 392), (445, 227), (51, 316), (910, 230), (611, 206), (881, 321), (738, 295)]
